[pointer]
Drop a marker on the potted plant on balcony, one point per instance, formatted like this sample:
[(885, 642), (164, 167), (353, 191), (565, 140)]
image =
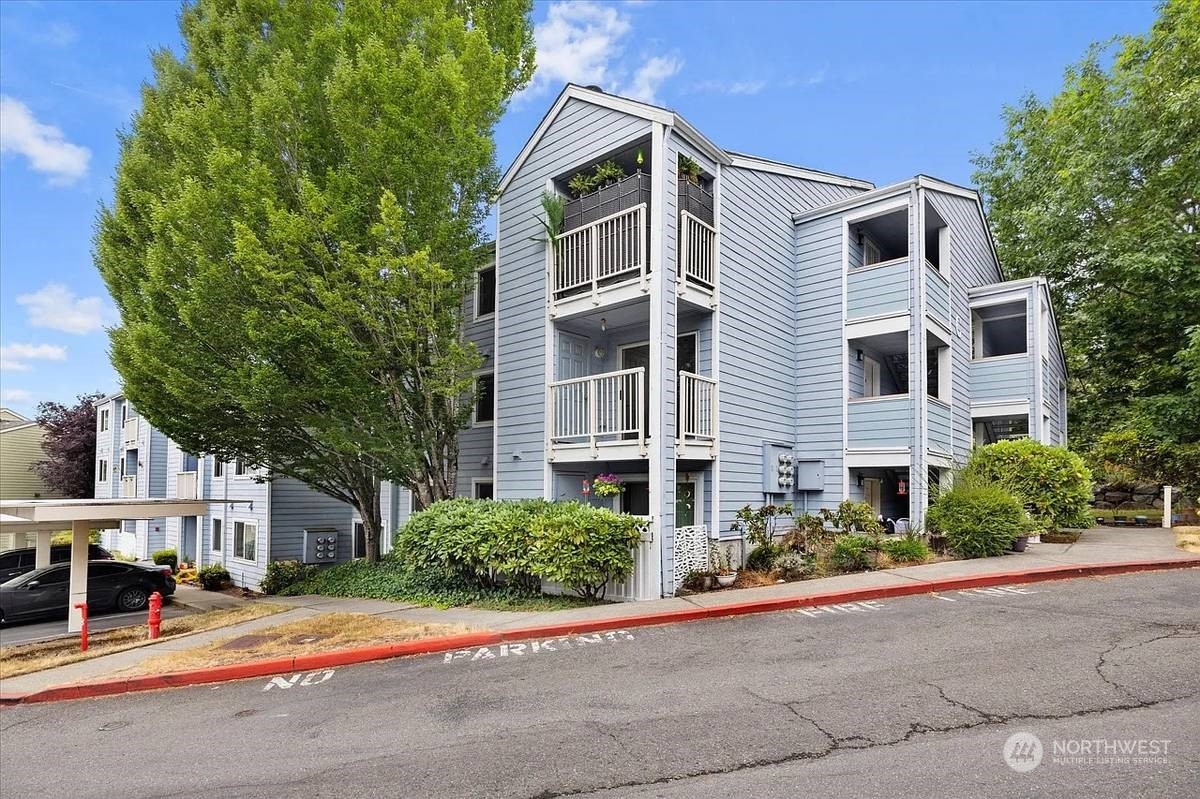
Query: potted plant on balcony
[(721, 560), (554, 207), (689, 170), (607, 485)]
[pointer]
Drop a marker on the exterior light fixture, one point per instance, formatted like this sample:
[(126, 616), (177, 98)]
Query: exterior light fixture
[(858, 355), (603, 324), (859, 476), (599, 352)]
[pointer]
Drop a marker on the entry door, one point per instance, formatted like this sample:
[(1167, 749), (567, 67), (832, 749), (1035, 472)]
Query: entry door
[(686, 497), (872, 494), (572, 356), (570, 406), (637, 357), (187, 542)]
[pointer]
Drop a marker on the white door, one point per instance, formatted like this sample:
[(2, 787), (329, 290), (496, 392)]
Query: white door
[(871, 494), (870, 377), (572, 356)]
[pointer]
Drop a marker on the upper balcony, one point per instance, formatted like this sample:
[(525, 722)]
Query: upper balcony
[(1001, 370), (129, 431), (599, 417), (883, 422)]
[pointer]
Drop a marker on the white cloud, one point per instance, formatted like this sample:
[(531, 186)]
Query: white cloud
[(650, 76), (730, 87), (812, 79), (44, 146), (583, 42), (15, 395), (13, 357), (56, 307)]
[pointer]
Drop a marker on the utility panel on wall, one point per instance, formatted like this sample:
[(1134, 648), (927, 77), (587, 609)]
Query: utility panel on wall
[(810, 475), (321, 545), (779, 467)]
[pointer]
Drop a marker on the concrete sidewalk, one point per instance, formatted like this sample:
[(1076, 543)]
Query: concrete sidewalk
[(1097, 548)]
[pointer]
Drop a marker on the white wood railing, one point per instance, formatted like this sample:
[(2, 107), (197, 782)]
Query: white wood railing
[(129, 431), (697, 406), (185, 485), (129, 486), (612, 247), (596, 408), (697, 251)]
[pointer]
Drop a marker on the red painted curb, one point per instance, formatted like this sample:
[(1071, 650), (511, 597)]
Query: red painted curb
[(345, 657)]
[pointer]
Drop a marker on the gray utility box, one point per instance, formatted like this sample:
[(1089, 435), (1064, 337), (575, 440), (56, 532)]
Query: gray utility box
[(321, 545), (779, 468), (810, 475)]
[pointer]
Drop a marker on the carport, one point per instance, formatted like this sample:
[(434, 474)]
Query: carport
[(48, 516)]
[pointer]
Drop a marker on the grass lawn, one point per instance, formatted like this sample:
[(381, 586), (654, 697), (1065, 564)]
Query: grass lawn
[(26, 658), (323, 633), (388, 579), (1188, 538)]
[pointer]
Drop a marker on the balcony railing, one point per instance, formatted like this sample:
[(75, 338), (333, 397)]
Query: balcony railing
[(608, 251), (185, 485), (880, 422), (697, 252), (598, 410), (129, 486), (697, 407), (1001, 378), (129, 430), (878, 289), (939, 417), (937, 292)]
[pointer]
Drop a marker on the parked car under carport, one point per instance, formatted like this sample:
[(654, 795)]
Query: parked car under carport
[(111, 585)]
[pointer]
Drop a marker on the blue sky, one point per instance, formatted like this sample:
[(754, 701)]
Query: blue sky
[(878, 91)]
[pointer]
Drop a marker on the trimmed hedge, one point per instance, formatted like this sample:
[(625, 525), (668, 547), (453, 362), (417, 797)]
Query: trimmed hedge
[(213, 577), (1054, 481), (579, 546), (978, 521), (166, 557), (284, 573)]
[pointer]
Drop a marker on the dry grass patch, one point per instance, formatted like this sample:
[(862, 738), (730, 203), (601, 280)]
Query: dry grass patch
[(21, 659), (1188, 538), (323, 633)]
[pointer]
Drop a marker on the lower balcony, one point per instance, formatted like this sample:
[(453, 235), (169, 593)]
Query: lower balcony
[(880, 422), (129, 486), (599, 417), (697, 417)]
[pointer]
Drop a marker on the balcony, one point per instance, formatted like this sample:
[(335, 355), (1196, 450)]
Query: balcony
[(129, 431), (697, 421), (880, 422), (606, 261), (1003, 378), (880, 289), (696, 281), (937, 294), (599, 417), (129, 486), (185, 485)]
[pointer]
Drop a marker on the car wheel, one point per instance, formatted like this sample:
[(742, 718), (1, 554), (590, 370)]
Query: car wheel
[(133, 598)]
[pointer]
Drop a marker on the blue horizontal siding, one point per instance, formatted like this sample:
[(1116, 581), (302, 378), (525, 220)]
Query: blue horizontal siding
[(1004, 378), (883, 422), (937, 295), (939, 426), (877, 290)]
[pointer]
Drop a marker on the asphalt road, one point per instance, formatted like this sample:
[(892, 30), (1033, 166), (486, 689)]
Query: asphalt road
[(25, 632), (912, 697)]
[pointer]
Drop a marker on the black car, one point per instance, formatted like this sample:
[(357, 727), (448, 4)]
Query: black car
[(16, 562), (112, 584)]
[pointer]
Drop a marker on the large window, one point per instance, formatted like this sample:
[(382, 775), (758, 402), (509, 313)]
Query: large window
[(240, 469), (217, 535), (999, 330), (485, 292), (485, 398), (245, 535), (104, 420)]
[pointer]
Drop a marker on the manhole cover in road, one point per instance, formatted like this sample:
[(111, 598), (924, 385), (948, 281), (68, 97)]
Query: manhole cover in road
[(245, 642)]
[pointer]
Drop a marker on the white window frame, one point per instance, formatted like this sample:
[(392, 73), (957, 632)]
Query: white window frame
[(475, 294), (478, 481), (216, 535), (869, 242), (239, 552), (354, 525), (219, 467), (245, 473), (102, 471), (475, 421), (105, 420)]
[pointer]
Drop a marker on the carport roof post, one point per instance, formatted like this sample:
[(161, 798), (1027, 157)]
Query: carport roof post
[(82, 515)]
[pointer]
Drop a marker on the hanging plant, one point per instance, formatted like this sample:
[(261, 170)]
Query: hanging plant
[(689, 170), (607, 485)]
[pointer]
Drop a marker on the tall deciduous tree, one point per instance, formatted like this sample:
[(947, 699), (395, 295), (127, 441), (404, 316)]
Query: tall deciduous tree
[(70, 446), (297, 207), (1099, 190)]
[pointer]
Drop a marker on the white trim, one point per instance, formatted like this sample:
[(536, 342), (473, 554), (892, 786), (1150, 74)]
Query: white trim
[(496, 352), (475, 405), (939, 330), (895, 457), (214, 520), (757, 164), (235, 554), (873, 325), (876, 210), (855, 201), (880, 398), (478, 481), (715, 357), (999, 408), (921, 388), (846, 329), (475, 315), (992, 358), (657, 449), (550, 344)]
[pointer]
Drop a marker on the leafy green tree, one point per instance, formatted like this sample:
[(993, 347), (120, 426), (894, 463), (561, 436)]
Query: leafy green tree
[(1099, 190), (297, 208)]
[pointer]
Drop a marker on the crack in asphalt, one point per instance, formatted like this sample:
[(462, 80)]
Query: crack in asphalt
[(836, 744)]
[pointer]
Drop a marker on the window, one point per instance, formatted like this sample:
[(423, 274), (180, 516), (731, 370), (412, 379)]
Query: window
[(871, 386), (218, 467), (484, 490), (102, 472), (360, 540), (245, 535), (871, 253), (240, 469), (216, 535), (54, 576), (485, 292), (104, 420), (485, 398)]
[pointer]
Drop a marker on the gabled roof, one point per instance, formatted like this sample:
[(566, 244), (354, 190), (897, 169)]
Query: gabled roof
[(665, 116)]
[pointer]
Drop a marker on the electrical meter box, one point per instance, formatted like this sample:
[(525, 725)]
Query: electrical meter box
[(810, 475), (779, 468), (321, 545)]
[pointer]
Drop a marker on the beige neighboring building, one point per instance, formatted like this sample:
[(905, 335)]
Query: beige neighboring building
[(20, 448)]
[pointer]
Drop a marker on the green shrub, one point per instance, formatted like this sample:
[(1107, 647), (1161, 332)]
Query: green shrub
[(166, 557), (852, 552), (978, 520), (213, 577), (853, 517), (1053, 481), (906, 550), (284, 573), (795, 566), (762, 558), (582, 547), (808, 534)]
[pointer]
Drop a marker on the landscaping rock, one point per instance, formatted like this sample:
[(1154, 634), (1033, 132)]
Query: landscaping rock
[(1117, 497), (1102, 505)]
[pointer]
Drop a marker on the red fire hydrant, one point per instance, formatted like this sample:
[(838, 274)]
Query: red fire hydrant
[(82, 608), (155, 614)]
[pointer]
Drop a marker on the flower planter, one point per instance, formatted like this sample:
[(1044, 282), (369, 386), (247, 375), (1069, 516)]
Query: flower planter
[(1019, 544), (726, 580), (626, 193)]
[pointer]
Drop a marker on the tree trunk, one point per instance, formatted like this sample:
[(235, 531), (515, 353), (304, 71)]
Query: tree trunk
[(367, 499)]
